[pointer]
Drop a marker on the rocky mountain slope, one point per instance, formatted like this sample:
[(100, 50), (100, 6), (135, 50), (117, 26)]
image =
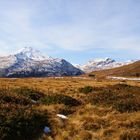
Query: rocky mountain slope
[(131, 70), (100, 64), (29, 62)]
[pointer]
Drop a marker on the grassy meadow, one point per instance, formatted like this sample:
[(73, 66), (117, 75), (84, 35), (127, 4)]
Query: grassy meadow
[(95, 109)]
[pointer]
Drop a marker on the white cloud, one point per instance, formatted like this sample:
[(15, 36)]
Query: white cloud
[(70, 37), (69, 25), (131, 43)]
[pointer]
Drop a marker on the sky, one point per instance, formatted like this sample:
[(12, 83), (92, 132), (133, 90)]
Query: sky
[(76, 30)]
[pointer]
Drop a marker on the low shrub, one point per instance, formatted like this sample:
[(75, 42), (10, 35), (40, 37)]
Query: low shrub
[(18, 119), (92, 75), (9, 97), (60, 99), (127, 105), (66, 111), (122, 97), (130, 135), (94, 124), (86, 89), (21, 123), (32, 94)]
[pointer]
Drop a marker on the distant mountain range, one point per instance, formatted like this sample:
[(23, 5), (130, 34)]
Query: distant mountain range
[(130, 70), (101, 64), (29, 62)]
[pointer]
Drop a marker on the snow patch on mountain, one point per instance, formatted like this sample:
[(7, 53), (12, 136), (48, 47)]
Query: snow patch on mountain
[(30, 62), (30, 53), (102, 63), (7, 61)]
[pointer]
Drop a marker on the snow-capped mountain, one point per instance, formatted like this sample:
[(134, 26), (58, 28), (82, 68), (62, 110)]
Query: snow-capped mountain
[(102, 63), (30, 62), (30, 53)]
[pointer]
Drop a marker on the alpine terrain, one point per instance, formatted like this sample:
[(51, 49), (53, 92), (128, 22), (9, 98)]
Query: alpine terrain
[(29, 62), (131, 70), (101, 64)]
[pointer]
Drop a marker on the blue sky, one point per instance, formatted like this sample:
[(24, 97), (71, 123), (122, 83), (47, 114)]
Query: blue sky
[(77, 30)]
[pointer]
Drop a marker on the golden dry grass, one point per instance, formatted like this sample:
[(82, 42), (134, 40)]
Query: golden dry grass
[(88, 120)]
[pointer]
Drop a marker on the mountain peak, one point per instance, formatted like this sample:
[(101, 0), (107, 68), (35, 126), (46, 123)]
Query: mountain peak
[(30, 62), (27, 49), (30, 53), (102, 59), (102, 63), (97, 60)]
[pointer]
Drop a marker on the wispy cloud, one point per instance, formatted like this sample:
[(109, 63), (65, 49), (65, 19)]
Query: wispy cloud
[(70, 26)]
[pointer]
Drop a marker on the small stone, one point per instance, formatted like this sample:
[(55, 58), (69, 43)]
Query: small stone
[(47, 130)]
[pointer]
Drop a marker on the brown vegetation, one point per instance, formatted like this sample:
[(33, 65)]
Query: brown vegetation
[(100, 110)]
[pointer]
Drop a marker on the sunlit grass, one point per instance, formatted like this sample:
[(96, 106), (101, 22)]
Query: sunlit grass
[(95, 109)]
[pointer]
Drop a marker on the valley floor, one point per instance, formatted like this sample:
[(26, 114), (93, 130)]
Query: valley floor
[(69, 109)]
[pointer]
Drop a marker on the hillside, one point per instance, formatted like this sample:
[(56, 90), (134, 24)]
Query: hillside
[(131, 70)]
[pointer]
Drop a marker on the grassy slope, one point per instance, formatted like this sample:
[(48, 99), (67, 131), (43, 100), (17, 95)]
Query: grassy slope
[(131, 70), (109, 111)]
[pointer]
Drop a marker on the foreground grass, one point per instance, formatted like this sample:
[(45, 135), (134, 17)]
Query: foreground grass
[(100, 110)]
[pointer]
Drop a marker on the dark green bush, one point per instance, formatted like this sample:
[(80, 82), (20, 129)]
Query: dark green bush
[(21, 123), (9, 97), (86, 89), (122, 97), (128, 105), (32, 94), (60, 99), (92, 75), (18, 119), (15, 99)]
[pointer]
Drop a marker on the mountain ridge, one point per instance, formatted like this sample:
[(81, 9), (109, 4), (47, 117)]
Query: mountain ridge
[(130, 70), (29, 62), (101, 64)]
